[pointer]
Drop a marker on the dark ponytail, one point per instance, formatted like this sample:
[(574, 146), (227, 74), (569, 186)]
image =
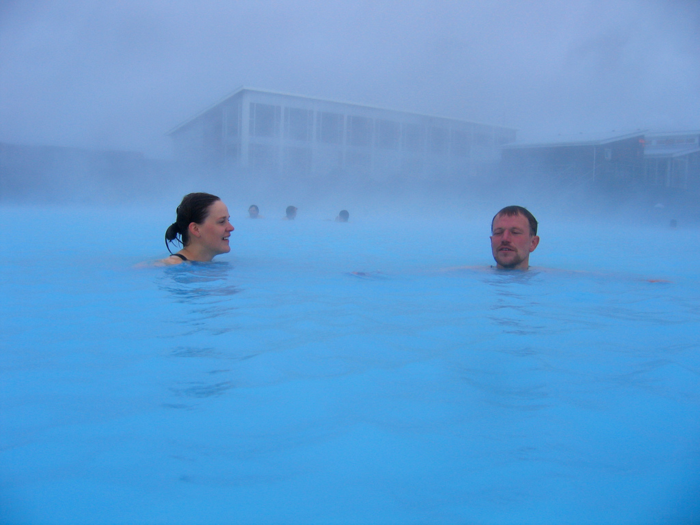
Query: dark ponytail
[(193, 208)]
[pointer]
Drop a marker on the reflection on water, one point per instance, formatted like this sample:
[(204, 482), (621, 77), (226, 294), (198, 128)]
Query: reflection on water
[(201, 390), (195, 281)]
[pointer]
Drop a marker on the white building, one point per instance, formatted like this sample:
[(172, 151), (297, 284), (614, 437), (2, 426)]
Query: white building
[(282, 133)]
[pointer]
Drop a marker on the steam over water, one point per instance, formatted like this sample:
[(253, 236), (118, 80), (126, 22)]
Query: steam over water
[(276, 386), (336, 373)]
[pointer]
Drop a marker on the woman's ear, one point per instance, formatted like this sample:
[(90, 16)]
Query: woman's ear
[(194, 229)]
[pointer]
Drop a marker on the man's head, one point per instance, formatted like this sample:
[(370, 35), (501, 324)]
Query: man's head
[(253, 211), (513, 238)]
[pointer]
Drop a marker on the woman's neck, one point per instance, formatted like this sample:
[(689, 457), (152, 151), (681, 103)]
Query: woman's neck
[(194, 254)]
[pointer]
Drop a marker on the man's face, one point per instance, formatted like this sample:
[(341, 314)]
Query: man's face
[(511, 242)]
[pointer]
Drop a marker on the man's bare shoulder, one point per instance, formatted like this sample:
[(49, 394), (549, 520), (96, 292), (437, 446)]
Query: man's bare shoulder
[(483, 269)]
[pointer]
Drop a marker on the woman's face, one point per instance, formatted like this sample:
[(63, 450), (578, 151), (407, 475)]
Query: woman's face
[(216, 229)]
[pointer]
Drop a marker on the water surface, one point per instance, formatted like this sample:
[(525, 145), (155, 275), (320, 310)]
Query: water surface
[(277, 386)]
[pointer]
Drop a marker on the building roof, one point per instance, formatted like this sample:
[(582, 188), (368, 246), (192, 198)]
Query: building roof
[(670, 150), (669, 134), (244, 88), (579, 139)]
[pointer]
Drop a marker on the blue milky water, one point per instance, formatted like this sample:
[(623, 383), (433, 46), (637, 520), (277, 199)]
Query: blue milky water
[(276, 386)]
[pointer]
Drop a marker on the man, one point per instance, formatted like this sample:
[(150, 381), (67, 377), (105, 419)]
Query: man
[(513, 238)]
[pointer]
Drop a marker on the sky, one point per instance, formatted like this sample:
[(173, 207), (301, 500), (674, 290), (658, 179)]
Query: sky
[(120, 75)]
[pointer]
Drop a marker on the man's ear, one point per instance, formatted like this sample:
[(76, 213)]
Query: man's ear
[(534, 242), (194, 229)]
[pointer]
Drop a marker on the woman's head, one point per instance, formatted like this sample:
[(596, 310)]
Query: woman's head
[(194, 208)]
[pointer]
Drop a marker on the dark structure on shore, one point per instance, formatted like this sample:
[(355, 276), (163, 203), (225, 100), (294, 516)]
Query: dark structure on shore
[(40, 173), (637, 159), (582, 158), (672, 160)]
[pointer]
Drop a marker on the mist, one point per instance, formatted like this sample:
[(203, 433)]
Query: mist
[(114, 76), (375, 371)]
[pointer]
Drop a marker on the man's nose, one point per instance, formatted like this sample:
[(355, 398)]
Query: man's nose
[(506, 236)]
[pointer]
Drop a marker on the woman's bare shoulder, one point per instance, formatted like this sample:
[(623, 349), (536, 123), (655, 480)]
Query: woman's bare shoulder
[(168, 261)]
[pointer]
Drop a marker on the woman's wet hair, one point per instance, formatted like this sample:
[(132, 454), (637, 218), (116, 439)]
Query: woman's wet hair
[(344, 215), (193, 208)]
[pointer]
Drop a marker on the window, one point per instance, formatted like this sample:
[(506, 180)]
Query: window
[(262, 156), (297, 159), (264, 120), (232, 152), (298, 124), (460, 143), (358, 160), (412, 165), (213, 130), (679, 171), (388, 134), (359, 131), (504, 138), (329, 128), (233, 121), (438, 140), (482, 138), (656, 171), (412, 137)]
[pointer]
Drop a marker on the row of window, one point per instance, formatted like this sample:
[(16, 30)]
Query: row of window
[(300, 158), (664, 172), (270, 121)]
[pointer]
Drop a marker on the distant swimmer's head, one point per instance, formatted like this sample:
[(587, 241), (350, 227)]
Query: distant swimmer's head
[(202, 227), (513, 238), (291, 213), (253, 211), (343, 216)]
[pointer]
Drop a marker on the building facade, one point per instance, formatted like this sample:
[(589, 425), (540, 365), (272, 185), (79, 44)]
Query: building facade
[(580, 158), (672, 160), (668, 160), (277, 132)]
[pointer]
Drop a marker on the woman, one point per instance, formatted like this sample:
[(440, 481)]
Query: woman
[(203, 228)]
